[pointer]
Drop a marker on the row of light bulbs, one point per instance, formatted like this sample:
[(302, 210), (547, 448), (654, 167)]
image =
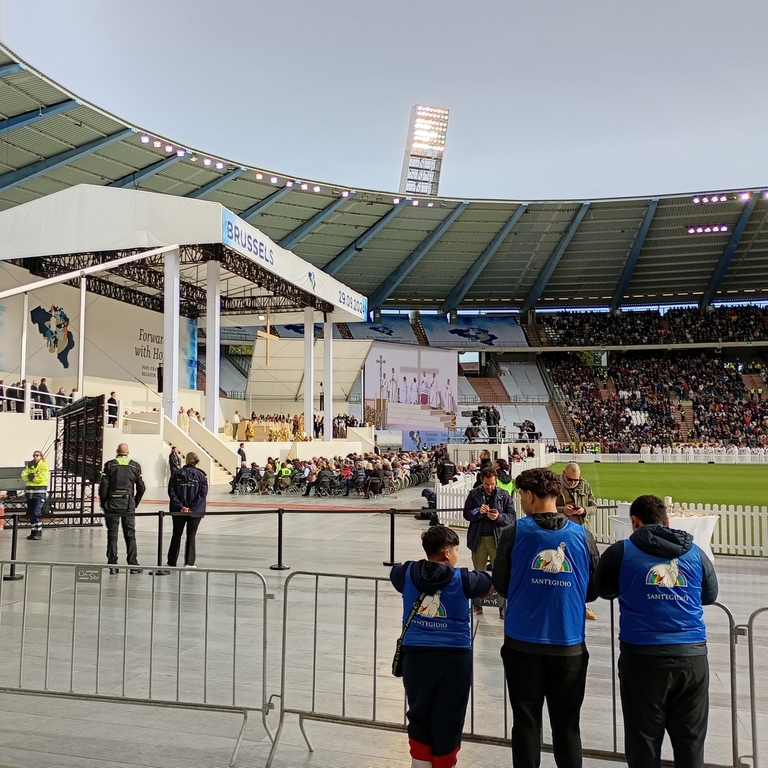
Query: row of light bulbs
[(220, 165)]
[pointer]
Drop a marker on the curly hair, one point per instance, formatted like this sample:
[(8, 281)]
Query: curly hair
[(540, 482)]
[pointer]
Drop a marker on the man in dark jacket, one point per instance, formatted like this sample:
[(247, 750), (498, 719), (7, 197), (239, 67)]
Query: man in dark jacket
[(187, 491), (544, 567), (662, 580), (489, 510), (120, 492), (446, 469)]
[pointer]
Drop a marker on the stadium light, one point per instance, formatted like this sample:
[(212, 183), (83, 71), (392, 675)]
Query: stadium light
[(219, 166), (396, 201), (259, 176), (345, 193), (744, 197), (706, 229), (304, 187), (709, 198), (316, 188), (424, 148), (207, 161), (289, 183), (181, 152), (273, 180), (157, 143), (145, 139), (193, 158), (169, 148)]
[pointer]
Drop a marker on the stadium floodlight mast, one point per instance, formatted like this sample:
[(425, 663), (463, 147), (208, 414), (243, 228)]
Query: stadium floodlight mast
[(424, 148)]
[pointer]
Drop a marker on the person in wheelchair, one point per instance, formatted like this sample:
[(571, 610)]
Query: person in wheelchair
[(235, 482), (268, 480)]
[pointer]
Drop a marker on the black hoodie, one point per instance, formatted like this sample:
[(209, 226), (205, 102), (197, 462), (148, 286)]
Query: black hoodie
[(668, 543)]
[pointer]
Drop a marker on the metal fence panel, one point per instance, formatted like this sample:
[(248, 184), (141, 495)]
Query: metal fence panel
[(193, 638)]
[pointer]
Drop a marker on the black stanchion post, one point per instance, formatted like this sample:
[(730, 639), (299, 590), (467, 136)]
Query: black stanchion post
[(279, 565), (392, 560), (160, 571), (13, 576)]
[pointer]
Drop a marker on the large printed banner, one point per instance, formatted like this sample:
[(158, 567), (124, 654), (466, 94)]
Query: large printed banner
[(411, 387), (249, 241), (391, 328), (122, 341), (474, 332)]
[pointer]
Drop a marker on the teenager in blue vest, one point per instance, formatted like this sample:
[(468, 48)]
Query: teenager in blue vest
[(437, 647), (662, 580), (544, 566)]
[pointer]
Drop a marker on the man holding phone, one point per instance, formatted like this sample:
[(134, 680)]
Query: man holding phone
[(489, 510), (577, 502)]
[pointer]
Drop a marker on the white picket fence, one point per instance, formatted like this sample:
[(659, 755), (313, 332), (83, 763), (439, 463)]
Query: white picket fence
[(659, 458), (740, 530)]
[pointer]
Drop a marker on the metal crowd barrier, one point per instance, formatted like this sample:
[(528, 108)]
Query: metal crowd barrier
[(340, 671), (76, 632)]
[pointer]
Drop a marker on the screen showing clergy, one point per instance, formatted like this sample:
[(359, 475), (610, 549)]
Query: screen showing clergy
[(410, 386)]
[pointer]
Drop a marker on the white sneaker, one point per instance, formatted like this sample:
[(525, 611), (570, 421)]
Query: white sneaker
[(190, 566)]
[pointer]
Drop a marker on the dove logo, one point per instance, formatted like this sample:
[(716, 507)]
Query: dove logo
[(312, 280), (431, 607), (666, 575), (552, 560)]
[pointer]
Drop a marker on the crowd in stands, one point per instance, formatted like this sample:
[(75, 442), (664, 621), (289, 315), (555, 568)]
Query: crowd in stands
[(677, 326), (650, 391)]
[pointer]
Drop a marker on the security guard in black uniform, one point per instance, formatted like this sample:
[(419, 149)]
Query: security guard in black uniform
[(120, 492)]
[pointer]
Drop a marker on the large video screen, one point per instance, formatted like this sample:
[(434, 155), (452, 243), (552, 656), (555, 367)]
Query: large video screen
[(411, 387)]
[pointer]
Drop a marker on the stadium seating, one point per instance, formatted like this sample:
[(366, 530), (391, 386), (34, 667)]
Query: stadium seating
[(523, 381)]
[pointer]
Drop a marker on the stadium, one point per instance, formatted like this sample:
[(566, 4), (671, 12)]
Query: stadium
[(629, 334)]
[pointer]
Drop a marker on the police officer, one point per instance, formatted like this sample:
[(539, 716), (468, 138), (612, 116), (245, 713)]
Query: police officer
[(662, 580), (544, 565), (120, 492)]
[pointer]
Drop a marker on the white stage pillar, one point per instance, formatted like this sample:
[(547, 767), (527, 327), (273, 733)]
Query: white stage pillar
[(328, 379), (24, 321), (171, 335), (81, 356), (212, 342), (309, 369)]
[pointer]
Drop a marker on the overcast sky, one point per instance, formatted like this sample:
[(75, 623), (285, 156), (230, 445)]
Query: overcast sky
[(548, 98)]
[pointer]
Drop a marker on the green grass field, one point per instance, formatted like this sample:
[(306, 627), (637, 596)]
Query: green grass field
[(687, 483)]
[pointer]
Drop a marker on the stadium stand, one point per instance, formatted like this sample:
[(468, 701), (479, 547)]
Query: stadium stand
[(677, 326), (523, 381), (648, 398), (466, 393)]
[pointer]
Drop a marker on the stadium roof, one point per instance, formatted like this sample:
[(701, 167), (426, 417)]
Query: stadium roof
[(428, 253)]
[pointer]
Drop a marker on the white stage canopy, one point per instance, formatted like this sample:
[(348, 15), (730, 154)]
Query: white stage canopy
[(88, 219), (283, 378)]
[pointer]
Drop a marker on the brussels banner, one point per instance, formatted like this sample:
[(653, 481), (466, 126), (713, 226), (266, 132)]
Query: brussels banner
[(250, 242)]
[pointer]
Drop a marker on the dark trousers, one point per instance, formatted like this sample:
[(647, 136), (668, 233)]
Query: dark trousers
[(128, 521), (179, 522), (532, 678), (437, 686), (35, 512), (661, 693)]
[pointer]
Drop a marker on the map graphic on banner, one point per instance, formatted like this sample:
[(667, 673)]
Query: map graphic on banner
[(410, 387), (53, 326), (474, 331)]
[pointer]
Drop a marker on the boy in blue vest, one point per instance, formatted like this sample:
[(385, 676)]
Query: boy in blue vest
[(662, 580), (544, 565), (437, 647)]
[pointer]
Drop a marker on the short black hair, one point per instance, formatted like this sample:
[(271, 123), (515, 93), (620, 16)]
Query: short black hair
[(436, 538), (540, 482), (488, 472), (649, 510)]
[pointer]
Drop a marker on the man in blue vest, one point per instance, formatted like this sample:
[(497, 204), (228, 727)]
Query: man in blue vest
[(544, 566), (662, 580)]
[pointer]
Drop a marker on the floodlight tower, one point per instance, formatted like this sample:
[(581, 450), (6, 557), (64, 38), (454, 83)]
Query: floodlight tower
[(424, 149)]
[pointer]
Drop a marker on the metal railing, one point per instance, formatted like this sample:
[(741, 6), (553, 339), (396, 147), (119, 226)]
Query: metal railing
[(341, 674), (78, 632)]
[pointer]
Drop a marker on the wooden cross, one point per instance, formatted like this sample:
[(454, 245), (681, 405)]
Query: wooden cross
[(266, 335)]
